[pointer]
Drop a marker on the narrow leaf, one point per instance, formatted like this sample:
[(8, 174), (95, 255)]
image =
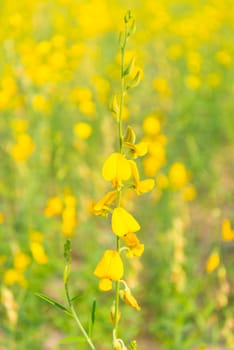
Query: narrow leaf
[(92, 318), (52, 302)]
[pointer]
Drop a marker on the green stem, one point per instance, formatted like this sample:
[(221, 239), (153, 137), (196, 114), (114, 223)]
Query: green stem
[(74, 314)]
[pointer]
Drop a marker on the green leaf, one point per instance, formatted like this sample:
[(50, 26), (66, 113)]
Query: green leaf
[(130, 66), (53, 302), (92, 318), (77, 297), (69, 340)]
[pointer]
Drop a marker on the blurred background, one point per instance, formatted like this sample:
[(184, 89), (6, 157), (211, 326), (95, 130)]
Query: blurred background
[(59, 68)]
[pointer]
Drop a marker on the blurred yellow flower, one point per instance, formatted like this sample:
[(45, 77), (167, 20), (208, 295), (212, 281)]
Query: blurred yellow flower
[(162, 87), (69, 221), (116, 168), (23, 148), (212, 262), (54, 206), (38, 253), (162, 181), (40, 103), (123, 222), (21, 261), (82, 130), (2, 218), (224, 57), (178, 175), (193, 82), (174, 51), (110, 268), (151, 125), (227, 232), (19, 126), (189, 193), (151, 165), (14, 276)]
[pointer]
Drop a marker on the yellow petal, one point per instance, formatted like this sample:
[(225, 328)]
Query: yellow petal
[(105, 284), (105, 201), (129, 299), (135, 172), (227, 232), (116, 168), (145, 186), (123, 222), (212, 262), (110, 266), (141, 149)]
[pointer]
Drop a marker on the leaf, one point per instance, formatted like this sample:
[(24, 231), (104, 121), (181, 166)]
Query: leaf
[(53, 302), (129, 67), (92, 318), (69, 340), (77, 297)]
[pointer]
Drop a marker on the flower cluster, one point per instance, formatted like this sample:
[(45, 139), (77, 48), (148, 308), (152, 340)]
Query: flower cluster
[(121, 171)]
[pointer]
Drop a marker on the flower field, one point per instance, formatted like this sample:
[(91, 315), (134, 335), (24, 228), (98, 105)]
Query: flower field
[(117, 175)]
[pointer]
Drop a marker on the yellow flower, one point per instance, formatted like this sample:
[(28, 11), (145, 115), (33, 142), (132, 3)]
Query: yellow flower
[(129, 299), (21, 261), (145, 186), (142, 186), (134, 245), (227, 232), (19, 126), (69, 221), (189, 193), (40, 103), (161, 86), (23, 148), (38, 253), (137, 150), (54, 206), (212, 262), (162, 181), (178, 175), (123, 222), (1, 218), (101, 207), (82, 130), (116, 168), (224, 57), (193, 82), (110, 268), (151, 125), (14, 276), (151, 165)]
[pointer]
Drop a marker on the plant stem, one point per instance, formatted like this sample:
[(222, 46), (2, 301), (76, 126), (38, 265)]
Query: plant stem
[(73, 311)]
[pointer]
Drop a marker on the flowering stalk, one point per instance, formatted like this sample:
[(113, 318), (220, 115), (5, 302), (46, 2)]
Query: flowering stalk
[(118, 169)]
